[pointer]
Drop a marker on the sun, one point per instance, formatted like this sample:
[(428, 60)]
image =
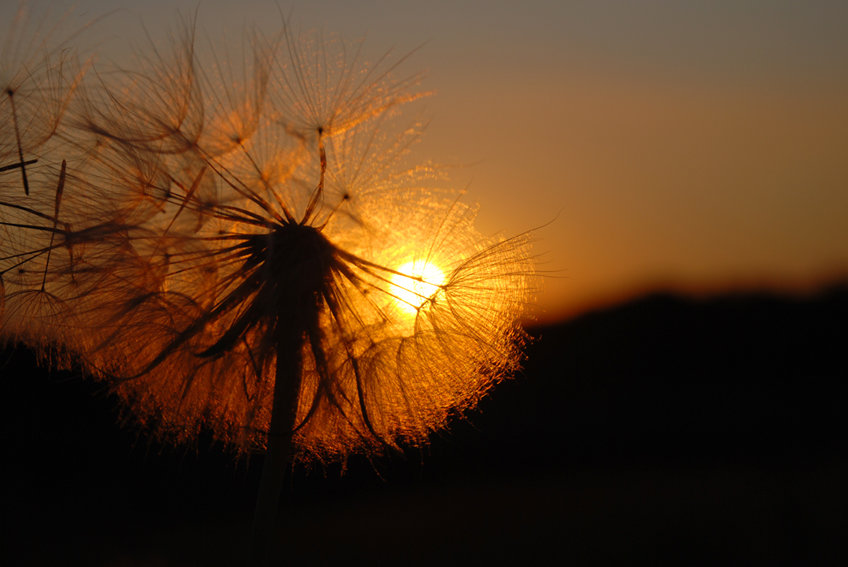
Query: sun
[(416, 283)]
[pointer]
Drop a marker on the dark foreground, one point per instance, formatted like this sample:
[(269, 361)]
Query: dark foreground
[(665, 431)]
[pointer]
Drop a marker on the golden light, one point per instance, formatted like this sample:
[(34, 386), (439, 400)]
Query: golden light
[(248, 258), (221, 249), (416, 283)]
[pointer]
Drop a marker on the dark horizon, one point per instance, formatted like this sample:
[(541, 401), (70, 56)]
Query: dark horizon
[(666, 429)]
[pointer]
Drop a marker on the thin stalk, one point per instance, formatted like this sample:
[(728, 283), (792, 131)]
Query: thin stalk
[(23, 163), (283, 415)]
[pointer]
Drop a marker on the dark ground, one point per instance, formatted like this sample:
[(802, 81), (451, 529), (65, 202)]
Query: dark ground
[(664, 431)]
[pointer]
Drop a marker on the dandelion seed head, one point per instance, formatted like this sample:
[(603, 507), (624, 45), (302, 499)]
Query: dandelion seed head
[(210, 225)]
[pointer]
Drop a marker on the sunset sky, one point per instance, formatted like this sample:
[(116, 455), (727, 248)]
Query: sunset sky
[(696, 146)]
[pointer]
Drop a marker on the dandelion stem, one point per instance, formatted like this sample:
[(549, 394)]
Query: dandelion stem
[(283, 414), (297, 267)]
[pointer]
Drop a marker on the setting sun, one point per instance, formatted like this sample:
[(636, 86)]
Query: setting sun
[(416, 283), (242, 251)]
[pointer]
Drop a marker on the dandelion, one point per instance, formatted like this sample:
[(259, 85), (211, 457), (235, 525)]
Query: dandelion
[(246, 250)]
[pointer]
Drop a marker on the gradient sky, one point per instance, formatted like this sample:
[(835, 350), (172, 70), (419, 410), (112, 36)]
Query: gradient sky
[(692, 145)]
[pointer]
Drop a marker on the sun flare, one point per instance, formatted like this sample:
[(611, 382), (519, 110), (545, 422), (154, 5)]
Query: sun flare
[(415, 284), (226, 249)]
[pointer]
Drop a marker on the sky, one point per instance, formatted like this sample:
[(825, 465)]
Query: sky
[(695, 146)]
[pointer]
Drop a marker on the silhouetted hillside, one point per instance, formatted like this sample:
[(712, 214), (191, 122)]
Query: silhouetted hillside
[(741, 377), (666, 430)]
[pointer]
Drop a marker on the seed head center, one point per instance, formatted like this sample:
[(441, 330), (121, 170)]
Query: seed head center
[(299, 262)]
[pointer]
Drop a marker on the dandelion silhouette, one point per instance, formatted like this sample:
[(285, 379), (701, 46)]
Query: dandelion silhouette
[(244, 250)]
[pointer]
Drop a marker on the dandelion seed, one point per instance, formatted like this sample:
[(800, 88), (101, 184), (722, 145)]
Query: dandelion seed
[(260, 261), (37, 79)]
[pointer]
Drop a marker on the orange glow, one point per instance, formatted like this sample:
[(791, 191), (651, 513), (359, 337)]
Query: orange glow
[(233, 247), (421, 282)]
